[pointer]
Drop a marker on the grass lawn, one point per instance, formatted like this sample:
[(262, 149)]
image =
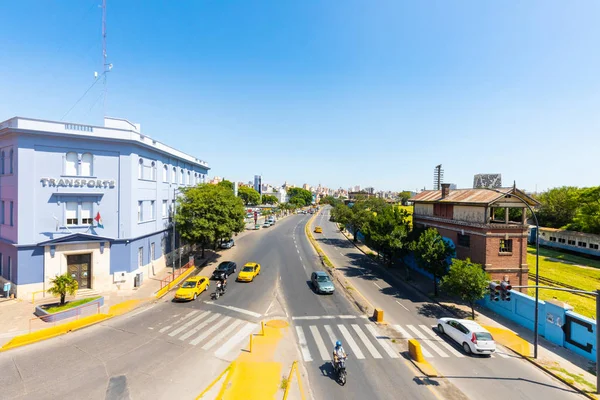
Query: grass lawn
[(70, 304), (583, 278), (570, 258)]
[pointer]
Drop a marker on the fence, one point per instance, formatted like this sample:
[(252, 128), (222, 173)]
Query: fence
[(73, 314), (178, 271)]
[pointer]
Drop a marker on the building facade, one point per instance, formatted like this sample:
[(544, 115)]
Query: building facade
[(470, 219), (90, 201)]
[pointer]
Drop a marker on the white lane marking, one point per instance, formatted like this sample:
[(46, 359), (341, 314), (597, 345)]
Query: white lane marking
[(166, 328), (347, 316), (502, 354), (235, 339), (330, 333), (199, 327), (440, 340), (424, 340), (376, 285), (298, 250), (366, 341), (303, 345), (303, 267), (356, 352), (188, 324), (209, 331), (300, 258), (382, 341), (222, 334), (402, 305), (341, 255), (306, 317), (240, 310), (270, 305), (320, 343), (328, 317)]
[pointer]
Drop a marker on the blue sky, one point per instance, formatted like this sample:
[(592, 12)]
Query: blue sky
[(333, 92)]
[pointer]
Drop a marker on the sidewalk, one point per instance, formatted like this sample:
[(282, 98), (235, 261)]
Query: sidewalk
[(556, 360), (17, 318)]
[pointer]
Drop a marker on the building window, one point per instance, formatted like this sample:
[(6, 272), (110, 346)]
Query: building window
[(552, 239), (87, 161), (141, 169), (11, 159), (141, 257), (181, 177), (165, 209), (71, 212), (152, 252), (3, 216), (571, 242), (189, 178), (174, 175), (580, 244), (12, 213), (165, 173), (153, 171), (561, 240), (71, 163), (140, 211), (86, 213), (464, 240), (592, 246), (152, 209), (505, 246)]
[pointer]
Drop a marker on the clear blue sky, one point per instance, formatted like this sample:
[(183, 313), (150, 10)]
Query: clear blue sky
[(336, 92)]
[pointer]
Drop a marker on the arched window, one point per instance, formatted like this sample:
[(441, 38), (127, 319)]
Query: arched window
[(153, 170), (71, 161), (196, 178), (181, 177), (174, 175), (12, 156), (141, 169), (165, 173), (87, 161), (189, 178)]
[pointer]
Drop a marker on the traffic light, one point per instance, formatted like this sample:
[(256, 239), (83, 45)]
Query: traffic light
[(494, 291), (505, 289)]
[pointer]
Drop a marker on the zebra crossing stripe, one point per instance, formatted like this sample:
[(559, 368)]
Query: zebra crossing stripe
[(350, 340), (366, 341), (198, 328), (501, 354), (382, 342), (188, 324), (303, 345), (401, 331), (222, 334), (210, 330), (166, 328), (320, 343), (235, 339), (441, 341), (421, 336), (331, 335)]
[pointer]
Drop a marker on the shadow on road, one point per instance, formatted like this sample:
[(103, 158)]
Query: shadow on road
[(341, 243), (327, 371)]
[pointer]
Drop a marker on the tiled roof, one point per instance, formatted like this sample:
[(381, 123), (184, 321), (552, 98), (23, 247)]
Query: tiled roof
[(468, 196)]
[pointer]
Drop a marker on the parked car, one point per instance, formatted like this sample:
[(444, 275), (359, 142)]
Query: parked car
[(228, 267), (266, 224), (192, 288), (249, 272), (473, 338), (321, 282), (227, 244)]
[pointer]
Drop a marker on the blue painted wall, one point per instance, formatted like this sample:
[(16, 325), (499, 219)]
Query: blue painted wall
[(31, 265)]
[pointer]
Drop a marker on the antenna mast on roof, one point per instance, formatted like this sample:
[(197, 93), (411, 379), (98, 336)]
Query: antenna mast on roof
[(438, 177), (105, 64)]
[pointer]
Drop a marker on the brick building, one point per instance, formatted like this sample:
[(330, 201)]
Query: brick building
[(472, 220)]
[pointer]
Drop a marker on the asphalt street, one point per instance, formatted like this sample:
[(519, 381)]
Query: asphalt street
[(412, 315)]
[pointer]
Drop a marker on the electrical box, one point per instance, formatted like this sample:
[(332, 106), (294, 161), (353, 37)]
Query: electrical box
[(120, 276)]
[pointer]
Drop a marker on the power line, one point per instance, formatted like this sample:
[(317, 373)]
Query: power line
[(81, 98)]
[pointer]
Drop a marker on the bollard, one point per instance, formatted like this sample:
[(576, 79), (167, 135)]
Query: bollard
[(414, 349), (378, 315), (262, 327)]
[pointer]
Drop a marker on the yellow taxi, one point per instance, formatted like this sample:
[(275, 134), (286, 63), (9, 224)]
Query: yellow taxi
[(249, 272), (192, 287), (318, 229)]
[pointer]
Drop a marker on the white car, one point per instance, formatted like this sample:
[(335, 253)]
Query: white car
[(473, 338)]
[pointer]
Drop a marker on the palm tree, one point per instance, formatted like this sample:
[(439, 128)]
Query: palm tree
[(63, 285)]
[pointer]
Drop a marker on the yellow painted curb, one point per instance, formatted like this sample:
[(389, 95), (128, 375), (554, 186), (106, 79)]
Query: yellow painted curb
[(123, 307), (176, 282), (511, 340)]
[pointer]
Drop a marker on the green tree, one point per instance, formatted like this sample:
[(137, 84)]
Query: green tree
[(226, 183), (206, 213), (269, 199), (358, 216), (63, 285), (404, 196), (298, 202), (388, 231), (304, 194), (558, 206), (330, 200), (248, 195), (466, 280), (587, 216), (432, 253)]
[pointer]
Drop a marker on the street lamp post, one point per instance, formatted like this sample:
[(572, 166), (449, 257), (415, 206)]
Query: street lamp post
[(537, 274)]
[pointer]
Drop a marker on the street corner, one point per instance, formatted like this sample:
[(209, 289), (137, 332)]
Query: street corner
[(511, 340), (125, 306)]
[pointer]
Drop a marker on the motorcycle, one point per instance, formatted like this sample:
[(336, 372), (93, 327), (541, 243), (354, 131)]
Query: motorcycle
[(220, 291), (341, 370)]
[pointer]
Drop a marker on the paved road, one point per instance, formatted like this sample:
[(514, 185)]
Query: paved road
[(411, 315)]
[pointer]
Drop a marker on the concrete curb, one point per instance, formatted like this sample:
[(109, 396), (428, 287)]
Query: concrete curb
[(531, 360)]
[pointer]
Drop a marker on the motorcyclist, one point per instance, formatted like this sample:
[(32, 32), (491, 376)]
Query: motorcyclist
[(338, 352), (223, 282)]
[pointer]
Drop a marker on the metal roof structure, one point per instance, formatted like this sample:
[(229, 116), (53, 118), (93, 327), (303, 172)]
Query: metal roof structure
[(471, 196)]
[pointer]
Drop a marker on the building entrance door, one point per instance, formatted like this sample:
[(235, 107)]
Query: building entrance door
[(80, 268)]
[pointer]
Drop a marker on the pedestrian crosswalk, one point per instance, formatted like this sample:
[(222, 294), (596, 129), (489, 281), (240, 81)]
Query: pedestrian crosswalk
[(364, 340), (210, 331)]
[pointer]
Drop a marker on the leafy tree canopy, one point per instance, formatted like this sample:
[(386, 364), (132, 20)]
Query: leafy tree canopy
[(304, 194), (248, 195), (432, 253), (63, 285), (466, 280), (587, 216), (269, 199), (226, 183)]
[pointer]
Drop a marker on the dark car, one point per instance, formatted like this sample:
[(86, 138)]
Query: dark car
[(228, 267), (321, 282)]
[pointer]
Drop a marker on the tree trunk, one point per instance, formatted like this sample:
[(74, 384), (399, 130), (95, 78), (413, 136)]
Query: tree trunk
[(472, 310), (435, 285), (202, 249), (62, 299)]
